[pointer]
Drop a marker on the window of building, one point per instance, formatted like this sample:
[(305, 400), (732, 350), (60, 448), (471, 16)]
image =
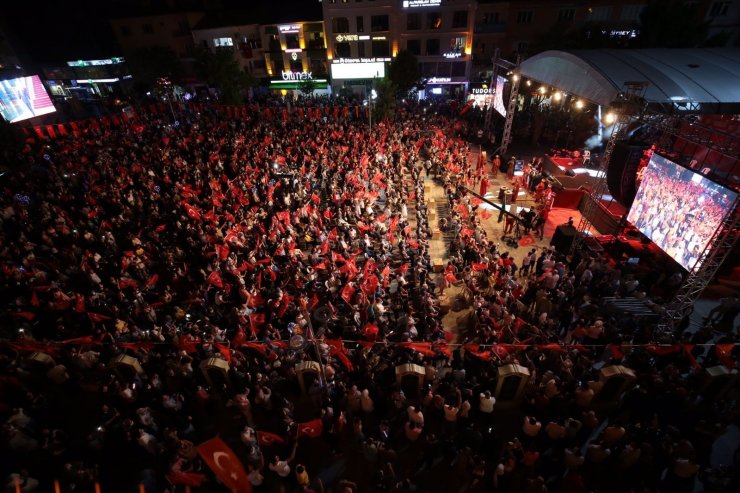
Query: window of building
[(429, 69), (292, 42), (443, 69), (316, 41), (379, 23), (524, 17), (491, 18), (521, 46), (361, 49), (275, 43), (342, 50), (253, 42), (360, 24), (719, 9), (434, 20), (413, 22), (313, 27), (414, 46), (460, 18), (277, 66), (125, 31), (631, 12), (147, 28), (458, 69), (318, 66), (296, 65), (340, 25), (223, 42), (259, 64), (566, 15), (458, 43), (433, 46), (600, 14), (381, 48)]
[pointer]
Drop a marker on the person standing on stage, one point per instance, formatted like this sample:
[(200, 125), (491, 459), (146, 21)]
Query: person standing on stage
[(483, 186), (495, 165)]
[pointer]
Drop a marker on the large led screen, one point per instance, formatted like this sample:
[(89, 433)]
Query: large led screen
[(679, 210), (358, 70), (24, 98), (498, 99)]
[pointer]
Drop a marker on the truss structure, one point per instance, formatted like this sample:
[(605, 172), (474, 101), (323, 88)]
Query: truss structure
[(630, 107), (627, 105), (503, 65), (718, 249)]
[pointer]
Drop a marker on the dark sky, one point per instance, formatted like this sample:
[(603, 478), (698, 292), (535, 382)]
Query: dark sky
[(55, 30)]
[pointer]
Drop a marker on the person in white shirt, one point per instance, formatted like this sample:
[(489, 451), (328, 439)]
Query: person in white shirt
[(487, 401)]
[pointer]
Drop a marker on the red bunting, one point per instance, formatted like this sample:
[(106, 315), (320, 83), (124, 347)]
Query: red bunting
[(475, 351), (188, 343), (424, 348), (97, 317), (663, 349), (337, 349), (688, 350)]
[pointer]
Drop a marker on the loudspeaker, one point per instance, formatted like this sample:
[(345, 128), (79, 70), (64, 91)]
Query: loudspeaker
[(563, 238), (510, 384), (126, 366), (41, 360), (570, 172), (307, 372), (410, 378), (216, 372)]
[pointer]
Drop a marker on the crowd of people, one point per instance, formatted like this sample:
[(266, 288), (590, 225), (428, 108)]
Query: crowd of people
[(264, 243)]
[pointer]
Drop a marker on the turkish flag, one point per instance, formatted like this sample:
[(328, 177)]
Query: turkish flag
[(311, 429), (186, 478), (96, 317), (724, 354), (214, 278), (265, 438), (224, 462), (347, 293)]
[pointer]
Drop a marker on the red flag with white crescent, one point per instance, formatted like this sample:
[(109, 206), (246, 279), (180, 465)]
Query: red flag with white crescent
[(224, 462), (310, 429), (266, 439)]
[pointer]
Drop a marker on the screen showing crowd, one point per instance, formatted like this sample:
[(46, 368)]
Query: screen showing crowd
[(24, 98), (679, 210)]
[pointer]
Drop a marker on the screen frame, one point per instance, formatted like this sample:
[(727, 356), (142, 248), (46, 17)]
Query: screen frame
[(709, 244)]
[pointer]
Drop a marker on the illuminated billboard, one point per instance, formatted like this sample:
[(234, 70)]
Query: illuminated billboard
[(679, 210), (369, 70), (24, 98)]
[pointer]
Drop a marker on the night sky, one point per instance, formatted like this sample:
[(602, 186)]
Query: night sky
[(52, 31)]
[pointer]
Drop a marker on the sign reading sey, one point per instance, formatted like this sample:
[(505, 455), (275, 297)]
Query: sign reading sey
[(420, 3)]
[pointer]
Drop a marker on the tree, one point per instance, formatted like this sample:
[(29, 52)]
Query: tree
[(672, 24), (307, 86), (385, 103), (152, 63), (404, 72), (220, 69)]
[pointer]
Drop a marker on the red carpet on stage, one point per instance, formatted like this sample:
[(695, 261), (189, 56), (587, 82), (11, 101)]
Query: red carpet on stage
[(560, 216), (566, 162)]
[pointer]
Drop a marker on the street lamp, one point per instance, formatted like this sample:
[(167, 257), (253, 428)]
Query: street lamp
[(371, 100)]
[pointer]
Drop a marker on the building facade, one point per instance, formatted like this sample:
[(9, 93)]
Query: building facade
[(363, 36), (244, 39), (295, 52)]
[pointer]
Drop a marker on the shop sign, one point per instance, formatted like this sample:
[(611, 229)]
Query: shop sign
[(289, 28), (290, 75), (341, 38), (438, 80), (362, 60), (421, 3), (452, 54)]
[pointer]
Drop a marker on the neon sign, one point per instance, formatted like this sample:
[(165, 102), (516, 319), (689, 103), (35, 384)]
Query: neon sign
[(289, 28), (421, 3), (290, 75)]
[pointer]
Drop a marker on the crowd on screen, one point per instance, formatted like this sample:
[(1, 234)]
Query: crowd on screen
[(221, 238), (677, 213)]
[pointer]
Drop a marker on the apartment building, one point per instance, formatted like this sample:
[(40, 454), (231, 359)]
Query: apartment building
[(363, 36)]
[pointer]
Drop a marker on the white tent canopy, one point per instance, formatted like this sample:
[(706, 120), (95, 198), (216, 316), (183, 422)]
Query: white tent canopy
[(689, 80)]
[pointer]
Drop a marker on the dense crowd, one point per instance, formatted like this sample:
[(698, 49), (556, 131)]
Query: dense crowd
[(268, 242)]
